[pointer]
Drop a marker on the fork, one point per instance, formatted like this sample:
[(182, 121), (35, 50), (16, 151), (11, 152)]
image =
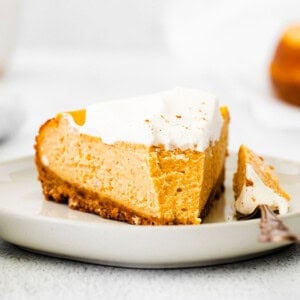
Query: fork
[(273, 229)]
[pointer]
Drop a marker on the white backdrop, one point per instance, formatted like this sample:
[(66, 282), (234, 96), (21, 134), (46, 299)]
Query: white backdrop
[(92, 24), (148, 24)]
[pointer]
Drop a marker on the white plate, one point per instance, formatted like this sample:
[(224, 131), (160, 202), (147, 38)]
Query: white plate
[(29, 221)]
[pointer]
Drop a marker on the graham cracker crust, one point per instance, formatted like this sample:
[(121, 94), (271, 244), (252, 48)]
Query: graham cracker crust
[(57, 190)]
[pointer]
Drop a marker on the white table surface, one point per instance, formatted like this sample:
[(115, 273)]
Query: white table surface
[(46, 83)]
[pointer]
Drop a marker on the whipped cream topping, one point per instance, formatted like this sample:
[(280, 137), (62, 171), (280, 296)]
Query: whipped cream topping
[(180, 118), (258, 193)]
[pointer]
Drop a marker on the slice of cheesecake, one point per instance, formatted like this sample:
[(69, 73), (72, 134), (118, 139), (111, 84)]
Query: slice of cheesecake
[(256, 183), (157, 159)]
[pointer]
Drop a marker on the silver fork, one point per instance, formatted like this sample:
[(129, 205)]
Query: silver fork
[(273, 229)]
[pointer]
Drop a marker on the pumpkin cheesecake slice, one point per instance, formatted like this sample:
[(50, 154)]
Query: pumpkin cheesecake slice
[(157, 159), (256, 183)]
